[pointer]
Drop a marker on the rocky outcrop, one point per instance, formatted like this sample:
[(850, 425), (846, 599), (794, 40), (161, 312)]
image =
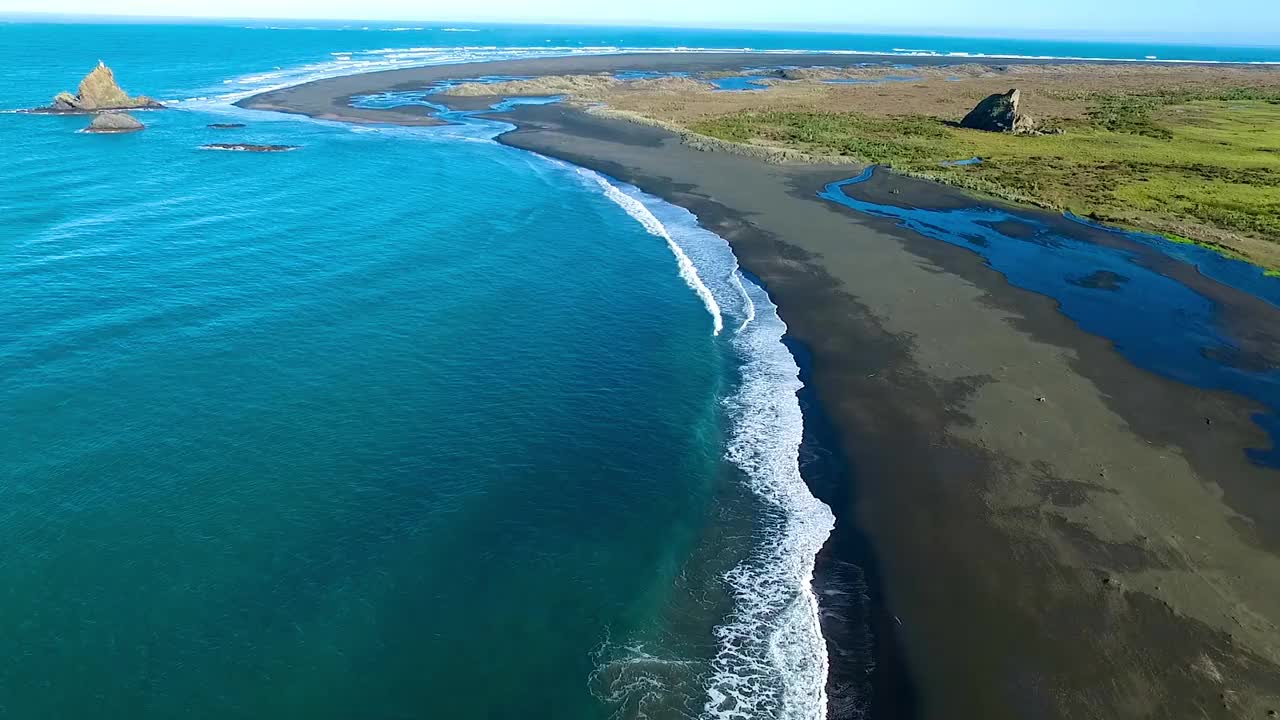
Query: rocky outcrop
[(245, 147), (113, 122), (99, 91), (1000, 113)]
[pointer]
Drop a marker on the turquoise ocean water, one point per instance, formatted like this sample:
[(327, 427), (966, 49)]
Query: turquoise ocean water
[(402, 424)]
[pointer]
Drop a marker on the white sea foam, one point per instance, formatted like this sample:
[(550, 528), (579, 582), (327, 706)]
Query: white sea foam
[(748, 303), (772, 658), (351, 62), (688, 271), (639, 681), (771, 661)]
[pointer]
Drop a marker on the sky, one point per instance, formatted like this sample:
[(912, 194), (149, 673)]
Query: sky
[(1254, 18)]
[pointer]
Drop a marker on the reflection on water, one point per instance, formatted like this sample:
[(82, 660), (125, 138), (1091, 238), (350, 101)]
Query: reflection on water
[(1156, 322), (739, 83)]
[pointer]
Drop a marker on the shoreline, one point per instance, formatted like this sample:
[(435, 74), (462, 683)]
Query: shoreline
[(328, 98), (936, 452), (768, 460), (674, 91), (867, 674), (973, 510)]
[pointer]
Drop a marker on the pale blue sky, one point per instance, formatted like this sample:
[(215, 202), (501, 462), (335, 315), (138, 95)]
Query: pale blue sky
[(1109, 17)]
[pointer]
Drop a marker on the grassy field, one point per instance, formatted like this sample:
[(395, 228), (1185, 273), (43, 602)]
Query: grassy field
[(1203, 167)]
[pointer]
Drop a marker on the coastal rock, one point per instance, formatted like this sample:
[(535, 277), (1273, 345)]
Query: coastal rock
[(245, 147), (113, 123), (1000, 113), (99, 91)]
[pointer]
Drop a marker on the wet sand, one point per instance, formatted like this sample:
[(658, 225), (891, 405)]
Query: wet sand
[(1050, 531)]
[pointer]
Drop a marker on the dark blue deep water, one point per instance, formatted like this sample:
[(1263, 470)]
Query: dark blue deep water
[(400, 424)]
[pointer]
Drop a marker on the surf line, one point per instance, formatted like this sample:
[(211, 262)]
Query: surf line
[(688, 271), (772, 658), (774, 633)]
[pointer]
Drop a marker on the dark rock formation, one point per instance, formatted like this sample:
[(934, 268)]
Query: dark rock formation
[(999, 113), (244, 147), (113, 122), (99, 91), (226, 126)]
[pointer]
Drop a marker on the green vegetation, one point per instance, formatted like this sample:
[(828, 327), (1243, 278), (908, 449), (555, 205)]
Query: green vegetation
[(1207, 169)]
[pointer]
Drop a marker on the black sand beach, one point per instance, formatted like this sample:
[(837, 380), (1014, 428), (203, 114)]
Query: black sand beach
[(1051, 531), (328, 99)]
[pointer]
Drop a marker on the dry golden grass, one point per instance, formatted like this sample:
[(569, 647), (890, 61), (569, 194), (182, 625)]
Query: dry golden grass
[(1188, 151)]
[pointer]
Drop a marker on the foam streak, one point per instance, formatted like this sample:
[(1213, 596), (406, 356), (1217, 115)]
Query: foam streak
[(772, 658), (688, 272)]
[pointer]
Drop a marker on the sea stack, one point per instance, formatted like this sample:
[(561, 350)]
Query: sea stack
[(247, 147), (99, 91), (1000, 113), (114, 122)]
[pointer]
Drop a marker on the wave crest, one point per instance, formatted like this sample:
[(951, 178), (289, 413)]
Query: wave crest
[(688, 272), (771, 660)]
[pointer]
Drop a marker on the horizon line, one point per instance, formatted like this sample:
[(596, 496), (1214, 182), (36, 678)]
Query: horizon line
[(1178, 37)]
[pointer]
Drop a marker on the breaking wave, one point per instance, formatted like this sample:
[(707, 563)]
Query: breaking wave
[(688, 271), (771, 660)]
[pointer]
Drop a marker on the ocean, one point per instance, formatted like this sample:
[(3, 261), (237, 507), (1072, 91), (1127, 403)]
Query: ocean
[(402, 424)]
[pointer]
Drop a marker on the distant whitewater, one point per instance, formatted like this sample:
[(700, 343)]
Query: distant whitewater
[(409, 407), (442, 47)]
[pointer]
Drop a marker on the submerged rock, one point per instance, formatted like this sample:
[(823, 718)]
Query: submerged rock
[(245, 147), (113, 122), (99, 91), (1000, 113), (226, 126)]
